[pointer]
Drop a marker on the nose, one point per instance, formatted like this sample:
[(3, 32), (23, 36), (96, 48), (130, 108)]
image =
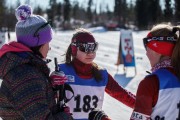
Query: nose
[(49, 48)]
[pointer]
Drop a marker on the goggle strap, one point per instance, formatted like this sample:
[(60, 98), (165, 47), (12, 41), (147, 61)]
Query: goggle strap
[(77, 43), (74, 43), (163, 39)]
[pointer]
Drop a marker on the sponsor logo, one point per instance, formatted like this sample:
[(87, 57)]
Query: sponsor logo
[(70, 78)]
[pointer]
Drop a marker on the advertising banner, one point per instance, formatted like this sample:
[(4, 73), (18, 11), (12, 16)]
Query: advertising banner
[(126, 41)]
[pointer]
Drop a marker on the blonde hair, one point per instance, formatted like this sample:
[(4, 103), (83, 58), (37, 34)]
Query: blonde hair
[(163, 30)]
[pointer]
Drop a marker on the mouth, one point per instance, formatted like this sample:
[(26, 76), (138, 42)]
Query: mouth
[(89, 58)]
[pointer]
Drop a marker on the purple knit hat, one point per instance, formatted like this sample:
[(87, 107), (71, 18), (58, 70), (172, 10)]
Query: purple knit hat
[(31, 30)]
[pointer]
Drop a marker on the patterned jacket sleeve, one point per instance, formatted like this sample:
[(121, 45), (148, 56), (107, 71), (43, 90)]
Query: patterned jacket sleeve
[(119, 93), (31, 95)]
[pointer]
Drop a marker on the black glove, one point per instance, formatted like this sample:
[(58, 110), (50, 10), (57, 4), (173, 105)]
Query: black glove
[(97, 114), (63, 116)]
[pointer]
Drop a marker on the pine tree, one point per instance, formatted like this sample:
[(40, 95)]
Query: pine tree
[(141, 13), (75, 10), (67, 9), (89, 11), (52, 10), (168, 11), (154, 11), (3, 22), (38, 10), (11, 18), (120, 10), (131, 13), (59, 8), (59, 11), (177, 10), (148, 13), (109, 13)]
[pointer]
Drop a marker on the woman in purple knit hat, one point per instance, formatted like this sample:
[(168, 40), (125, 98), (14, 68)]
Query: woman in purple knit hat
[(25, 92)]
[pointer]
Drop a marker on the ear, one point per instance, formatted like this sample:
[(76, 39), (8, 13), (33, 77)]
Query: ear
[(41, 48), (41, 51)]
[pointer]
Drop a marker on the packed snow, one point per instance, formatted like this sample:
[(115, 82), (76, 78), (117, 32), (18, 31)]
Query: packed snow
[(106, 57)]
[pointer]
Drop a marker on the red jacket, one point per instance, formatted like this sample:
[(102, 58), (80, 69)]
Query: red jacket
[(147, 96)]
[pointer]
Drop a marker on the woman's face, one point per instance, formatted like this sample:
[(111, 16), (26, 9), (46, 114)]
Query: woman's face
[(153, 56), (44, 50), (86, 58)]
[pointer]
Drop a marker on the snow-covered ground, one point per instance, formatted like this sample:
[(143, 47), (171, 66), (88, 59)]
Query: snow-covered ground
[(107, 57)]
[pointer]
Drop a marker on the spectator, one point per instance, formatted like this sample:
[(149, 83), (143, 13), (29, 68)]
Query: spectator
[(25, 92)]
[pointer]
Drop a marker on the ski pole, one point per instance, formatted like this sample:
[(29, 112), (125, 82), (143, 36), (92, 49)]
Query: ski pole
[(60, 88)]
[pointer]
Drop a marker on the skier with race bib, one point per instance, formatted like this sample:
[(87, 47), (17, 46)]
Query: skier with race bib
[(88, 81), (158, 96)]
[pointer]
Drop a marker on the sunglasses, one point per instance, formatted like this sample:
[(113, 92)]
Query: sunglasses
[(160, 39), (86, 47)]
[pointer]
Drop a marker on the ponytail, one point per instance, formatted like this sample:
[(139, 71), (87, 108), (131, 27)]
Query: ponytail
[(176, 52), (68, 55), (96, 72)]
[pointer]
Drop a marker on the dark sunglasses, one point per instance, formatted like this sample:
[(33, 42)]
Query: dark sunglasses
[(86, 47), (160, 39)]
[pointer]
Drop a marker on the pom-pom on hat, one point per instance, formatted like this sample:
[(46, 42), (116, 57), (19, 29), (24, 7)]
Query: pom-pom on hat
[(31, 30)]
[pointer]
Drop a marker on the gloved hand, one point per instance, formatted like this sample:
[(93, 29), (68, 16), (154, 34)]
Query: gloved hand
[(58, 78), (97, 114), (63, 116)]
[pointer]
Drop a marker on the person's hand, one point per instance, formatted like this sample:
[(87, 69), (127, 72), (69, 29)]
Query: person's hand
[(97, 114), (66, 109), (63, 116), (58, 78)]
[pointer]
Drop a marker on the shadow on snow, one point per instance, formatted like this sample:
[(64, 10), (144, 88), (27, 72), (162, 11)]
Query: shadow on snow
[(122, 79)]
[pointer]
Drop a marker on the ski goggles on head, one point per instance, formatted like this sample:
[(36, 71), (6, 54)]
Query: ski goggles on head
[(87, 47), (160, 39)]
